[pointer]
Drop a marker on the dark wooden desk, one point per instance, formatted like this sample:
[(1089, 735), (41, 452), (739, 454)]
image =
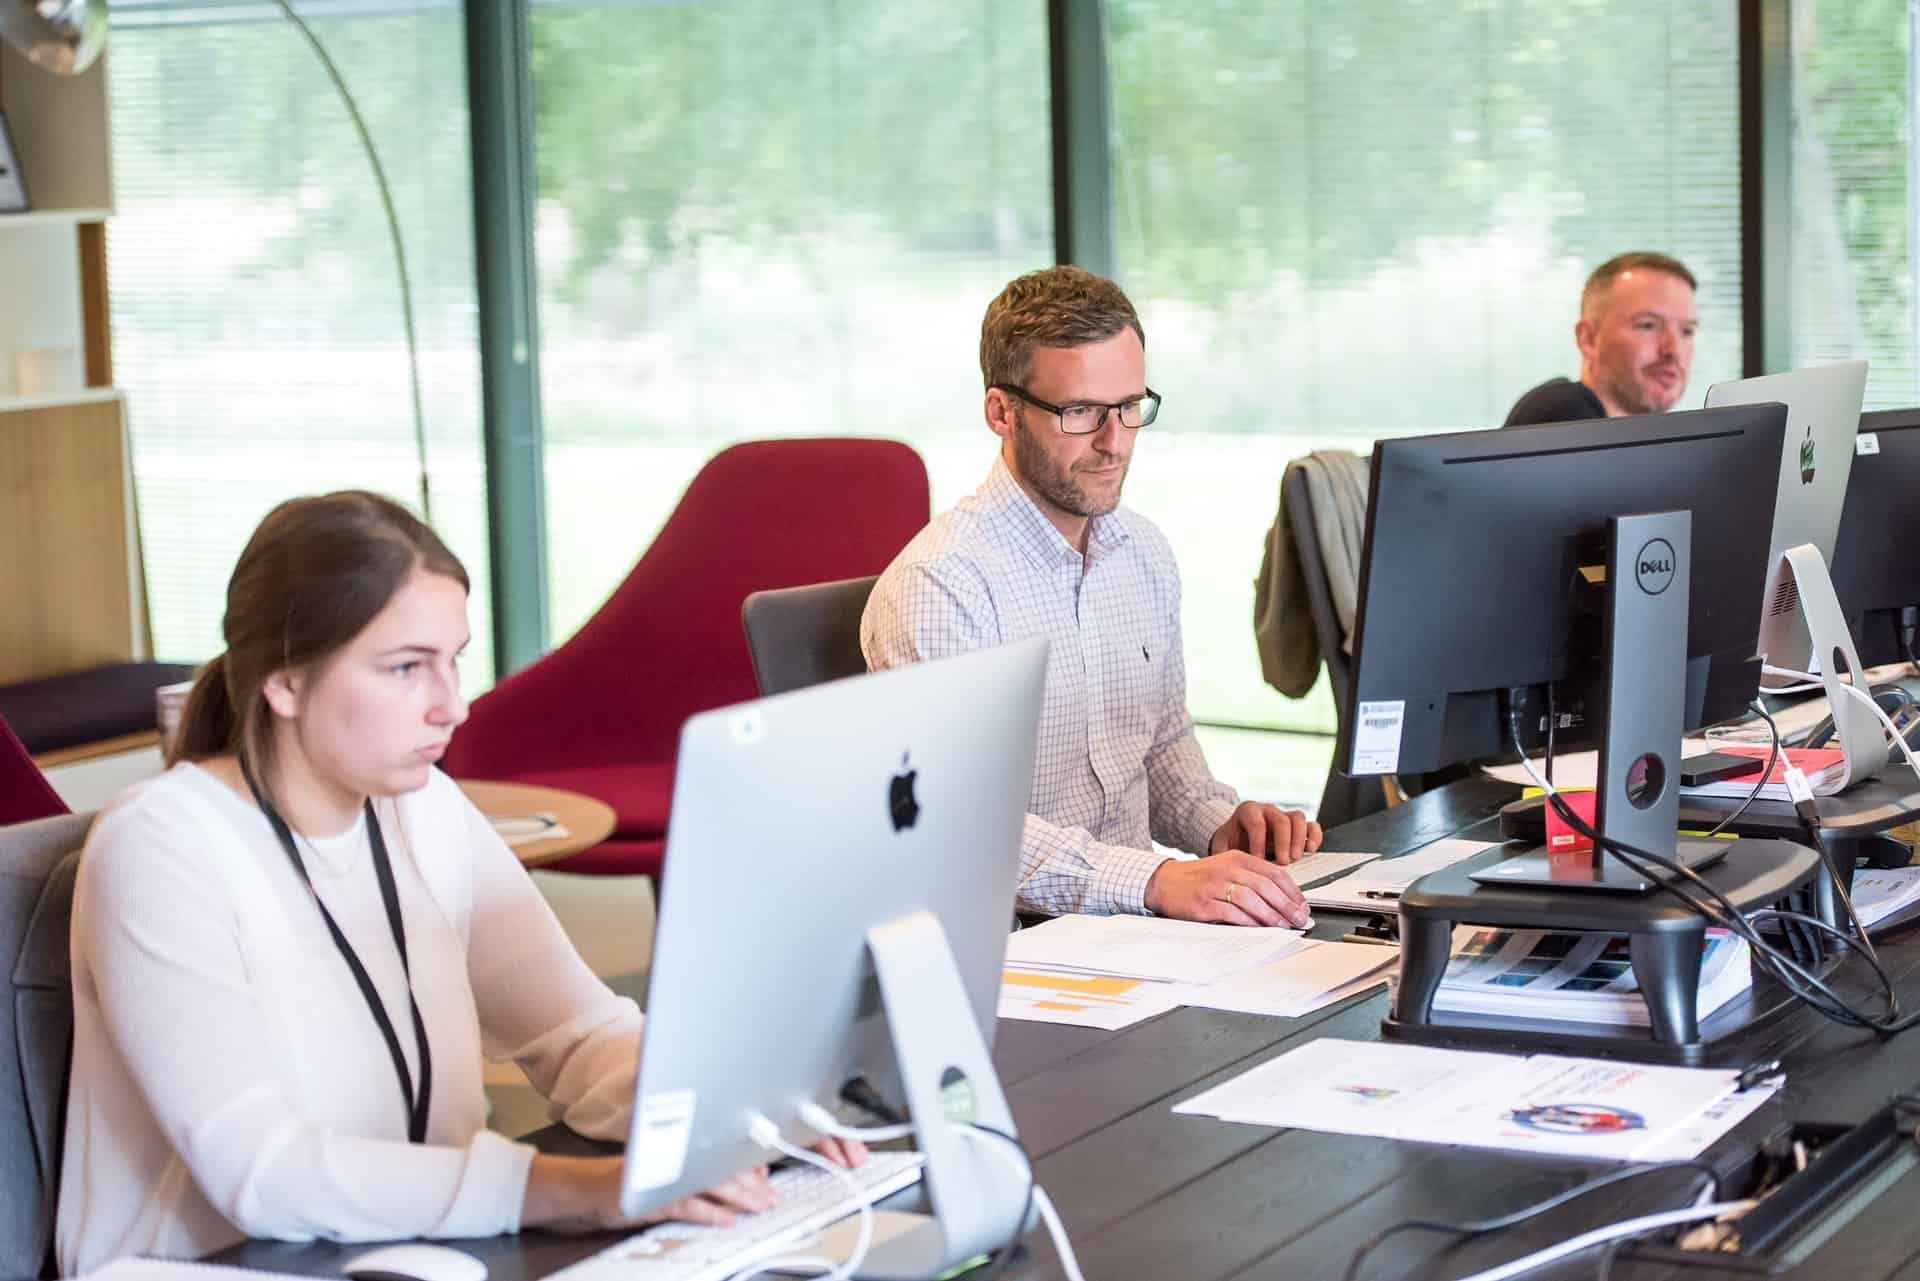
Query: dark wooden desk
[(1148, 1194)]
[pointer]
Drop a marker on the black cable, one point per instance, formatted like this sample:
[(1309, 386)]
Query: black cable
[(1799, 981), (1773, 755), (1550, 720), (1480, 1227), (1802, 984)]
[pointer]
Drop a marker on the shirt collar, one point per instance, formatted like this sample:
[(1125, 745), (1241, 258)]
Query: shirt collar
[(1003, 495)]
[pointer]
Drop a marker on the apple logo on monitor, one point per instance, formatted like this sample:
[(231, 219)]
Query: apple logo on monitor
[(900, 800), (1806, 459)]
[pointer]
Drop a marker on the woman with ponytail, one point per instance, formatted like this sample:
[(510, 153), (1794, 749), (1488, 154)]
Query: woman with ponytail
[(293, 948)]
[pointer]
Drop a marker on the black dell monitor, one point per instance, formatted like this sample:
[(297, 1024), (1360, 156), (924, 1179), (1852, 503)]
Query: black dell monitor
[(1876, 558), (1482, 579)]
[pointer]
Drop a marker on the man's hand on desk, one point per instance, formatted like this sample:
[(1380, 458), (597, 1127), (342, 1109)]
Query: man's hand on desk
[(582, 1194), (1267, 831), (1233, 888)]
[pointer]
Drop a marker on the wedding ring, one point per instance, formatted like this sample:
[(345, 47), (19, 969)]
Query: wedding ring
[(1232, 888)]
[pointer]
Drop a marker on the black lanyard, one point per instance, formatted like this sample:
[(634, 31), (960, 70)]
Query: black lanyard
[(383, 869)]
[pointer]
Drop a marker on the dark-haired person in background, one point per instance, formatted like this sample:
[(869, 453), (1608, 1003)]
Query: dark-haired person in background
[(293, 948), (1635, 335)]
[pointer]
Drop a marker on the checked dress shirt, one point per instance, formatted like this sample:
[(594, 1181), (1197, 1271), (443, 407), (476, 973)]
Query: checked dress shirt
[(1118, 766)]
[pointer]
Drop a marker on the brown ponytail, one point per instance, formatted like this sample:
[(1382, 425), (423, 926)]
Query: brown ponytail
[(313, 575)]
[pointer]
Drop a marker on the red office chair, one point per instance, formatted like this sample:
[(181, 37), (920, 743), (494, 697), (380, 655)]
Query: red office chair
[(25, 793), (602, 714)]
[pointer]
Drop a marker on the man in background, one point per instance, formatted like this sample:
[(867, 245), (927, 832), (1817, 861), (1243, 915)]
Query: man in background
[(1635, 335)]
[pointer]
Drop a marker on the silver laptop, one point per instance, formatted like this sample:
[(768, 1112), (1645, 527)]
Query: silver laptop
[(800, 823), (1823, 416)]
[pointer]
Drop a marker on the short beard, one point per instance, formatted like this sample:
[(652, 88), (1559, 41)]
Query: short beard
[(1037, 468), (1630, 396)]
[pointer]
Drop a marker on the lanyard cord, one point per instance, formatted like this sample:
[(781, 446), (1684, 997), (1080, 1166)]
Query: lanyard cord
[(417, 1105)]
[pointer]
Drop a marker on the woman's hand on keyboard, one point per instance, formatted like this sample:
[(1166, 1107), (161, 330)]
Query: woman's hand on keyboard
[(582, 1194), (848, 1153)]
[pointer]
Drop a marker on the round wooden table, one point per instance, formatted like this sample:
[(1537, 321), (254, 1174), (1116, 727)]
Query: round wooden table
[(586, 820)]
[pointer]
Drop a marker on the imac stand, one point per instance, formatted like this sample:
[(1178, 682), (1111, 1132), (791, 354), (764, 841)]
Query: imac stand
[(947, 1076), (1804, 591)]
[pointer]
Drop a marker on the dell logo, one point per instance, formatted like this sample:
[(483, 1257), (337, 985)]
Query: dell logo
[(1653, 567), (901, 804)]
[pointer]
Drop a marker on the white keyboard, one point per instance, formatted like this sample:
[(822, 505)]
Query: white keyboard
[(810, 1199)]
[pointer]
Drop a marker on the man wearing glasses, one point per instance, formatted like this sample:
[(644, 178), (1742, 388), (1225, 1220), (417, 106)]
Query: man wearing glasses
[(1044, 548)]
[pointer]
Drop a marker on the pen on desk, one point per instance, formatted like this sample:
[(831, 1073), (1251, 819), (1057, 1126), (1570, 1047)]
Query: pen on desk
[(1353, 937), (1379, 893), (1758, 1074)]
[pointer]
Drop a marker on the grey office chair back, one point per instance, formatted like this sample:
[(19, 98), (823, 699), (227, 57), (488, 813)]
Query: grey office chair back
[(1343, 799), (38, 861), (801, 636)]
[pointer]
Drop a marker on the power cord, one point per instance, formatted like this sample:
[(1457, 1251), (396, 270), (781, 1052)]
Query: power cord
[(818, 1118), (1773, 756), (1480, 1227), (1886, 722), (825, 1122), (767, 1134), (1015, 1155), (1611, 1232)]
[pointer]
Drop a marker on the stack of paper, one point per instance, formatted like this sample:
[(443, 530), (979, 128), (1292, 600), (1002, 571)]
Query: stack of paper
[(1145, 947), (1542, 1103), (1375, 887), (1580, 978), (1313, 974), (1886, 897), (1112, 971), (1823, 766)]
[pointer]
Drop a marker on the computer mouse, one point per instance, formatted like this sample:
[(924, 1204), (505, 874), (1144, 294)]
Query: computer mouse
[(415, 1261)]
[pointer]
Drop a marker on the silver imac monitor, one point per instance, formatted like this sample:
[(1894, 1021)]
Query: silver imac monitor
[(839, 885), (1823, 415)]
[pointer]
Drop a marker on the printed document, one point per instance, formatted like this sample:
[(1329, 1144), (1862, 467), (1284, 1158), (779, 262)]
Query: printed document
[(1101, 1001), (1145, 947), (1312, 974), (1541, 1103)]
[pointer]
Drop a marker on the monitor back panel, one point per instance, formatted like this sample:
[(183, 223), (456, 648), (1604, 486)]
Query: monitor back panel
[(798, 822), (1475, 541)]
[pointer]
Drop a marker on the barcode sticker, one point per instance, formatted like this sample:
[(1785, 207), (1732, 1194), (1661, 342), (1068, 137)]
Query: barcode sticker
[(1866, 443), (658, 1152), (1376, 737)]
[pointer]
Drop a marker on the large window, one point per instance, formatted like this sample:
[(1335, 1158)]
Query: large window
[(760, 218), (256, 311), (1851, 291), (1351, 221)]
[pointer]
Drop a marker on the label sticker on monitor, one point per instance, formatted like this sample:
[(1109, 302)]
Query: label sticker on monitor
[(1376, 736), (1866, 443), (658, 1153)]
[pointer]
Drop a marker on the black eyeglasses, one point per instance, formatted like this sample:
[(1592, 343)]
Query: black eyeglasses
[(1083, 418)]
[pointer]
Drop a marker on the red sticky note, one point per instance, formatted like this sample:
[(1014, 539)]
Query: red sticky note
[(1562, 839)]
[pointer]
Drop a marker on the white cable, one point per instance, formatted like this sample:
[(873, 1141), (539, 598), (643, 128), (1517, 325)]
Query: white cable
[(1016, 1160), (1886, 722), (1610, 1232), (767, 1134), (818, 1118)]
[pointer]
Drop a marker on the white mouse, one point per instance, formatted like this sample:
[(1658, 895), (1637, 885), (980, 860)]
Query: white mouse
[(415, 1261)]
